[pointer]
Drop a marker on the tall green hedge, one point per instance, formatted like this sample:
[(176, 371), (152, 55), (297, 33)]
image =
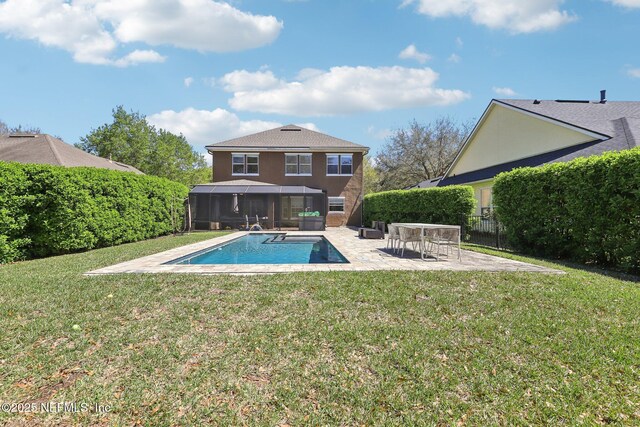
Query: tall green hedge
[(441, 205), (586, 210), (50, 210)]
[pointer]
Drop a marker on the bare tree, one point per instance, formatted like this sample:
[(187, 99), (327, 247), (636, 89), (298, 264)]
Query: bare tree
[(420, 152), (5, 129)]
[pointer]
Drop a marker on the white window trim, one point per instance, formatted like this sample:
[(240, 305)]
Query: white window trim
[(298, 163), (329, 211), (339, 164), (245, 164)]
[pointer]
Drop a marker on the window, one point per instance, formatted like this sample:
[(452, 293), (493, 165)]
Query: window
[(486, 201), (339, 164), (336, 204), (244, 164), (297, 164)]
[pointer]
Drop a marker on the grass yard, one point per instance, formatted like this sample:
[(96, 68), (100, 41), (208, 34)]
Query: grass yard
[(396, 348)]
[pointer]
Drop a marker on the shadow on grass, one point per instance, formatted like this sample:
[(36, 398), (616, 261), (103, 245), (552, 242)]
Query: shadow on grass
[(518, 256)]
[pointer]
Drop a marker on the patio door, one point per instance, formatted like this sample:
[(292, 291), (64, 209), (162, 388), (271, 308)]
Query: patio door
[(292, 206)]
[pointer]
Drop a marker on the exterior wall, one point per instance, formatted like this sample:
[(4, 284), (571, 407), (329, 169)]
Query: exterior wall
[(477, 187), (272, 170), (507, 135)]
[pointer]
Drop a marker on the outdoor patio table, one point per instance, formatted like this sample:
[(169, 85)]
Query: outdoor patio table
[(438, 227)]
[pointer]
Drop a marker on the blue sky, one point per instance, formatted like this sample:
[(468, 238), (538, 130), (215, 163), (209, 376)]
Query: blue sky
[(353, 69)]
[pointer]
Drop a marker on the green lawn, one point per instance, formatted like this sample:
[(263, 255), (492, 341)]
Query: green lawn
[(397, 348)]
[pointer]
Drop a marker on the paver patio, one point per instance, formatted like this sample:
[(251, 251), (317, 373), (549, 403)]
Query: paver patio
[(362, 254)]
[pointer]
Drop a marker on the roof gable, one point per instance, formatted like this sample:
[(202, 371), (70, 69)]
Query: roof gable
[(290, 137), (505, 134)]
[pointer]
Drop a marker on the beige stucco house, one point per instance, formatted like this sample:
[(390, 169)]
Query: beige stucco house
[(515, 133)]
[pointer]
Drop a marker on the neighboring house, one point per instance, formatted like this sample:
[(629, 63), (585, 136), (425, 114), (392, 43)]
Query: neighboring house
[(45, 149), (283, 176), (429, 183), (515, 133)]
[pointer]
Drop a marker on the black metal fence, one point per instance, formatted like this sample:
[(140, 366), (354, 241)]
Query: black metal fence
[(484, 230)]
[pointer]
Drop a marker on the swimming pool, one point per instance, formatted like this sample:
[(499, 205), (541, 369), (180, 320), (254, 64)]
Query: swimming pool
[(266, 248)]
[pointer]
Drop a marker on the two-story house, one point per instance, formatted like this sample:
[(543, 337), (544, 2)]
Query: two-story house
[(283, 176)]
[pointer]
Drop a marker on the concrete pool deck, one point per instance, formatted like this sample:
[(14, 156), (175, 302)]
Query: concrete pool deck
[(363, 255)]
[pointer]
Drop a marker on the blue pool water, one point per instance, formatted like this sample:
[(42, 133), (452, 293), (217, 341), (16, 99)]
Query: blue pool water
[(268, 249)]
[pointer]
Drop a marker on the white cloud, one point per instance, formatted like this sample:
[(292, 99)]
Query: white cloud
[(209, 81), (411, 52), (243, 80), (381, 134), (517, 16), (504, 91), (204, 127), (54, 23), (93, 30), (459, 42), (455, 58), (139, 56), (188, 81), (626, 3), (634, 72), (344, 90), (307, 73), (204, 25)]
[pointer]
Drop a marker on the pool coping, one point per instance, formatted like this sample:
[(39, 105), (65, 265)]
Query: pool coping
[(195, 254), (361, 254)]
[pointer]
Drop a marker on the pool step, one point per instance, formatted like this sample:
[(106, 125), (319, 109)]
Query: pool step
[(284, 238)]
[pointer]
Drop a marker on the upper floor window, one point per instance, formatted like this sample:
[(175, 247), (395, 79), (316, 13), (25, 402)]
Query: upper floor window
[(339, 164), (297, 164), (245, 164)]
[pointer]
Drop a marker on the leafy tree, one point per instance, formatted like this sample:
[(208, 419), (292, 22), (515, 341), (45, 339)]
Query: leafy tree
[(370, 176), (132, 140), (420, 152)]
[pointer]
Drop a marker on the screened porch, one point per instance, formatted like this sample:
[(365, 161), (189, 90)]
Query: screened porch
[(220, 207)]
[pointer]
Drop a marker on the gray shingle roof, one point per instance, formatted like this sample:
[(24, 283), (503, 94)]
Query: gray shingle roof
[(45, 149), (287, 137)]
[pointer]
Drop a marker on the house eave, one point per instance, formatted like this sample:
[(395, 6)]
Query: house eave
[(217, 148)]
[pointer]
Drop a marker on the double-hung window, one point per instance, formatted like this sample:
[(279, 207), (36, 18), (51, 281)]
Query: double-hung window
[(339, 164), (245, 164), (297, 164), (336, 204)]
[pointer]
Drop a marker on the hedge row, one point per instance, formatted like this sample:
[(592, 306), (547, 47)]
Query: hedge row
[(445, 205), (50, 210), (586, 210)]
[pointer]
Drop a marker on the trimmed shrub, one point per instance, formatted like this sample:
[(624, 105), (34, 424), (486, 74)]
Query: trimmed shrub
[(442, 205), (586, 210), (50, 210), (15, 200)]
